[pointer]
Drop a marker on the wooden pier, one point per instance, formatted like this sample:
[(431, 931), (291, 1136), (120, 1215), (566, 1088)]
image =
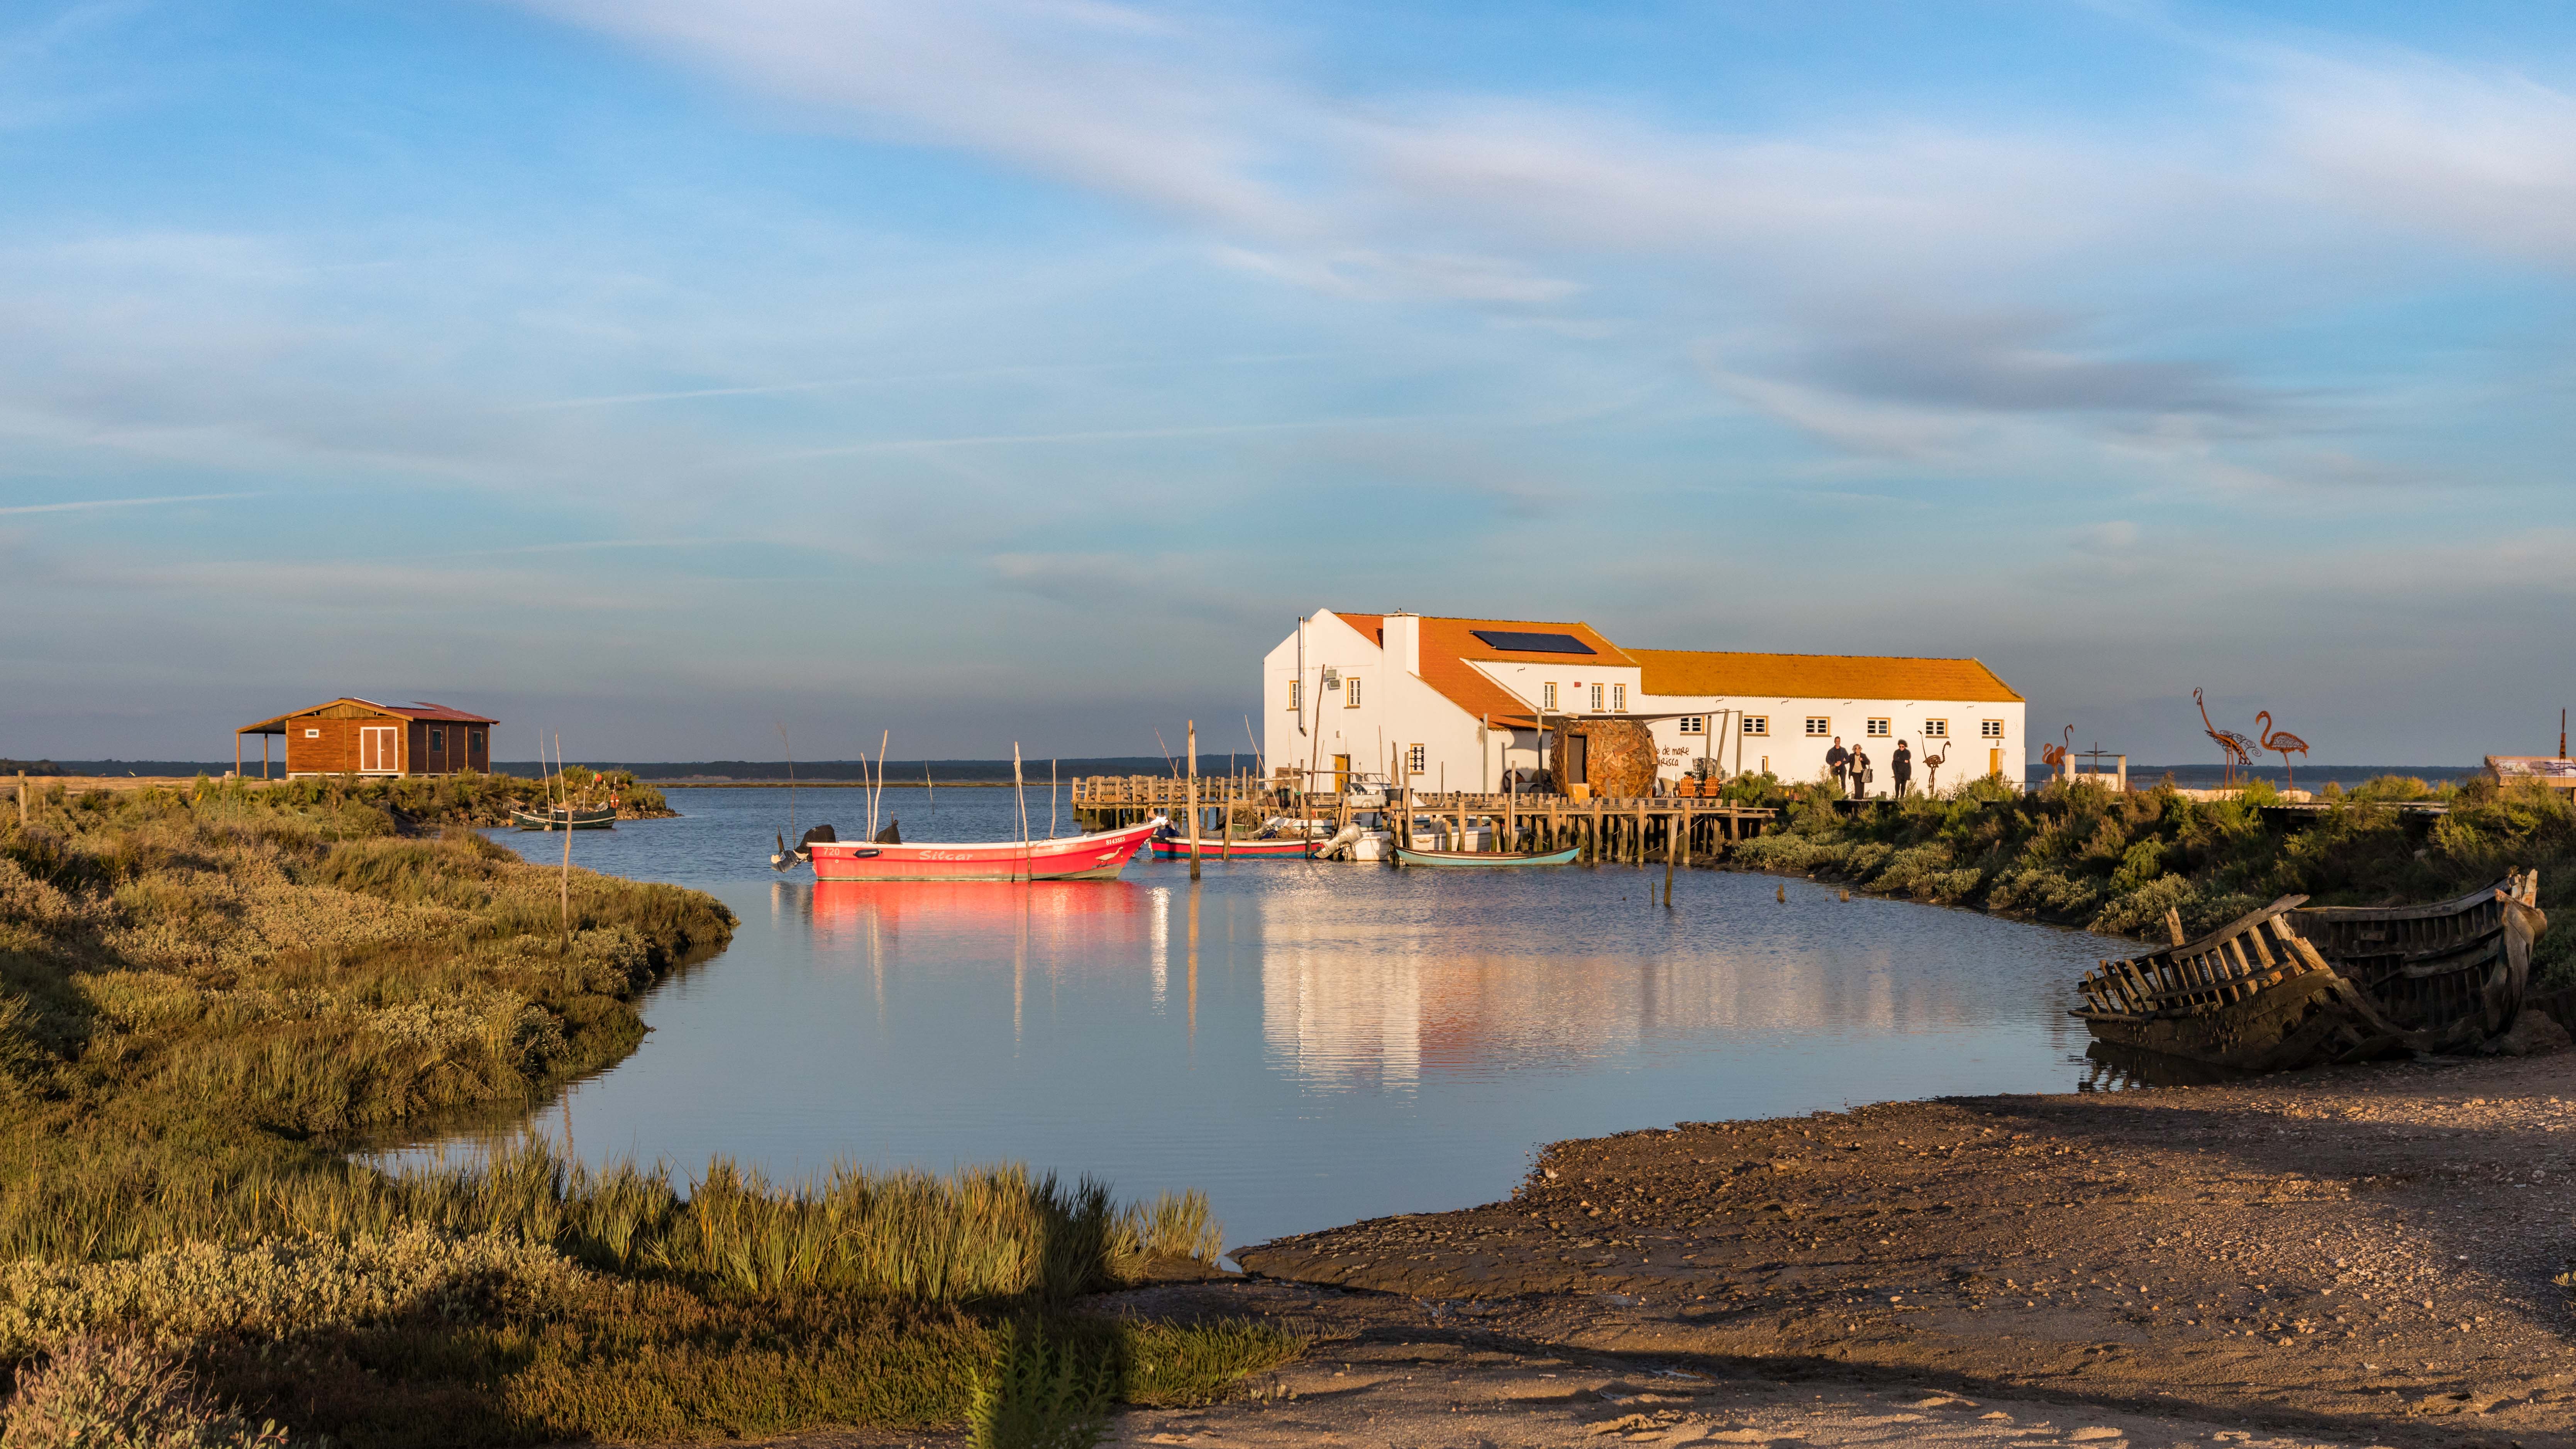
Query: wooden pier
[(1678, 829)]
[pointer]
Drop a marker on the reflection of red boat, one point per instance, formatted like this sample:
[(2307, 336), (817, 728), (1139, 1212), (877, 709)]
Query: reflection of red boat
[(1079, 857)]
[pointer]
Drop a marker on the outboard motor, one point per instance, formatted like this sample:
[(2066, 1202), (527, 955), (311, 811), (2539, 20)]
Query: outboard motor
[(891, 835), (801, 855)]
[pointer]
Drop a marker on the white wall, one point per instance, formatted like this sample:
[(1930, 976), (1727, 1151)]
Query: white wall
[(1396, 709), (1795, 755)]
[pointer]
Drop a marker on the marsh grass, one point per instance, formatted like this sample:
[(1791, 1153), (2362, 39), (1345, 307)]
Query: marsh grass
[(206, 1003), (2084, 856)]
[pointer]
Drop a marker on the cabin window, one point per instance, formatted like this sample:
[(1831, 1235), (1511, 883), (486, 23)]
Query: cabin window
[(1936, 729), (313, 734), (1547, 695), (1820, 724), (1757, 724), (1296, 693), (1693, 724), (1351, 687), (473, 739), (1992, 729), (438, 741), (1414, 757), (1619, 697), (1878, 729), (1596, 699)]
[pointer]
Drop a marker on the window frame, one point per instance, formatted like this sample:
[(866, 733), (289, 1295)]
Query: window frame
[(1819, 726), (1693, 724), (1417, 759), (1936, 729), (1990, 729), (1547, 695), (1878, 727), (1350, 691), (1618, 699), (1296, 694), (1596, 699), (437, 740), (1757, 725)]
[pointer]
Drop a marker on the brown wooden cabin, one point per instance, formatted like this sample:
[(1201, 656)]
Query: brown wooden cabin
[(350, 736)]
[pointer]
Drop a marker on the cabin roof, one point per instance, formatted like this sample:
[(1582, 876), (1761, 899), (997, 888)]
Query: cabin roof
[(1705, 672), (1447, 645), (416, 710)]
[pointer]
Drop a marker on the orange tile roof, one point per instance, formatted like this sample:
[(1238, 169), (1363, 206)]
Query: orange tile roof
[(1447, 645), (1700, 672)]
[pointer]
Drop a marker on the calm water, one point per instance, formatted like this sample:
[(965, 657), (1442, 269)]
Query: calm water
[(1309, 1043)]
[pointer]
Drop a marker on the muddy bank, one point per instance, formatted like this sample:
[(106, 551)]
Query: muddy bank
[(2367, 1252)]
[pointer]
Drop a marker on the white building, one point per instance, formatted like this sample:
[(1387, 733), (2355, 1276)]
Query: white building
[(1455, 703)]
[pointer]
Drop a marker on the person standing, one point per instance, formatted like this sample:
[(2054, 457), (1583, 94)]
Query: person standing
[(1900, 767), (1860, 772), (1838, 760)]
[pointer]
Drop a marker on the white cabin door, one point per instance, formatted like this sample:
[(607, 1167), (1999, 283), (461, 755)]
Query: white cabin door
[(378, 753)]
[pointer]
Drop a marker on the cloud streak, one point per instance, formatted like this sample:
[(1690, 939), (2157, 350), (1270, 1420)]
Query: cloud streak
[(83, 505)]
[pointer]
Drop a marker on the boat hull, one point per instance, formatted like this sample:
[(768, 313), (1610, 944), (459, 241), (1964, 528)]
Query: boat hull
[(1486, 859), (1080, 857), (2451, 974), (581, 820), (1165, 848)]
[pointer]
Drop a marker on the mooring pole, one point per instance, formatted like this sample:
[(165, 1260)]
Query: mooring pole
[(1194, 799)]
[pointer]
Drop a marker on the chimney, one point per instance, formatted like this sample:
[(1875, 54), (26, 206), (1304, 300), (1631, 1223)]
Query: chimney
[(1404, 642)]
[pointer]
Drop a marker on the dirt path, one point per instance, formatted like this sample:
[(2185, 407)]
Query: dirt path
[(2363, 1255)]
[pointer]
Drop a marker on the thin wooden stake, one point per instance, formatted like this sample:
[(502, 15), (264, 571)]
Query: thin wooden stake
[(567, 829)]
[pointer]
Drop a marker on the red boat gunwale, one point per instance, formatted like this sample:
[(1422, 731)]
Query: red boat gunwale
[(1078, 857)]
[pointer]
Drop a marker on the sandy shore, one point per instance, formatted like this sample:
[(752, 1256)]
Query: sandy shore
[(2355, 1257)]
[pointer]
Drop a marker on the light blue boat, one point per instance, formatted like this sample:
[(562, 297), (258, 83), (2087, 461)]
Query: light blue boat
[(1487, 857)]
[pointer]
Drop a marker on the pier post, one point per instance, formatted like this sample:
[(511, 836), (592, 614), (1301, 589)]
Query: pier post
[(1194, 799), (1672, 857)]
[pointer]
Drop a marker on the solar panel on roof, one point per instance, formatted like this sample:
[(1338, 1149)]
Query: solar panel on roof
[(1521, 643)]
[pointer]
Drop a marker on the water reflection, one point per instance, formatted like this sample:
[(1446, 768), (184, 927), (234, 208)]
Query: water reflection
[(1310, 1043)]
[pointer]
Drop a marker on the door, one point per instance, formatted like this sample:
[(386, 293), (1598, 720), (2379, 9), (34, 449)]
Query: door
[(1341, 773), (1994, 762), (1577, 761), (378, 752)]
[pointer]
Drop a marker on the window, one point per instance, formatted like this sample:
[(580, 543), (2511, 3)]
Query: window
[(1818, 724), (473, 741), (1414, 757), (1547, 695), (1936, 729), (438, 740), (313, 734), (1596, 699), (1693, 724), (1757, 724), (1878, 729), (1296, 694), (1619, 698), (1992, 729), (1351, 687)]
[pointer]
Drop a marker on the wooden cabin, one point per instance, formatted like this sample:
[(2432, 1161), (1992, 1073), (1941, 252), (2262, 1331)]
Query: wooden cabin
[(350, 736)]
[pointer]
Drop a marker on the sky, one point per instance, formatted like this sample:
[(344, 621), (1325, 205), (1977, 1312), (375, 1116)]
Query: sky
[(670, 372)]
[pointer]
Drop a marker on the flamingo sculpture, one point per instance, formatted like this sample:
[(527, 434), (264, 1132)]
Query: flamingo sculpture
[(2234, 744), (2054, 756), (2286, 743), (1932, 764)]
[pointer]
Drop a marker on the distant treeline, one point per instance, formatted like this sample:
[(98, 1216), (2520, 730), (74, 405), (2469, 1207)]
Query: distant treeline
[(29, 767), (897, 772)]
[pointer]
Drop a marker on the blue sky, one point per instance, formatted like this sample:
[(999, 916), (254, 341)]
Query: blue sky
[(656, 370)]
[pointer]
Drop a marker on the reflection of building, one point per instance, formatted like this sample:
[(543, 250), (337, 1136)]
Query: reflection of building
[(1456, 703), (1354, 1002)]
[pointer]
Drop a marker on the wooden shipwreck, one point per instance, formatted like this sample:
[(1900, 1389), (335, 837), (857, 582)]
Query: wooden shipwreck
[(2290, 986)]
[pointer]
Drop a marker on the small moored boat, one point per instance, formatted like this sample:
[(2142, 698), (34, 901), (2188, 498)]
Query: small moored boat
[(603, 817), (1566, 856), (1080, 857)]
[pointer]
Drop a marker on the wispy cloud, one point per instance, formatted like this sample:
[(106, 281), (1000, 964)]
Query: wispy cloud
[(81, 505)]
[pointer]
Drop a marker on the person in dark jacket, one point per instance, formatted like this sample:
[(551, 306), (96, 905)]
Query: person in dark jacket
[(1900, 767), (1838, 760)]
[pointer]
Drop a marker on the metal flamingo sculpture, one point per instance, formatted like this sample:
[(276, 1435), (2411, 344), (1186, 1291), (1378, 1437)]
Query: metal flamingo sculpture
[(2282, 741), (2235, 745), (2054, 756), (1932, 764)]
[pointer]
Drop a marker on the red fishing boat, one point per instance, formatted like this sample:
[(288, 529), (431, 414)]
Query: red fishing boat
[(1078, 857)]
